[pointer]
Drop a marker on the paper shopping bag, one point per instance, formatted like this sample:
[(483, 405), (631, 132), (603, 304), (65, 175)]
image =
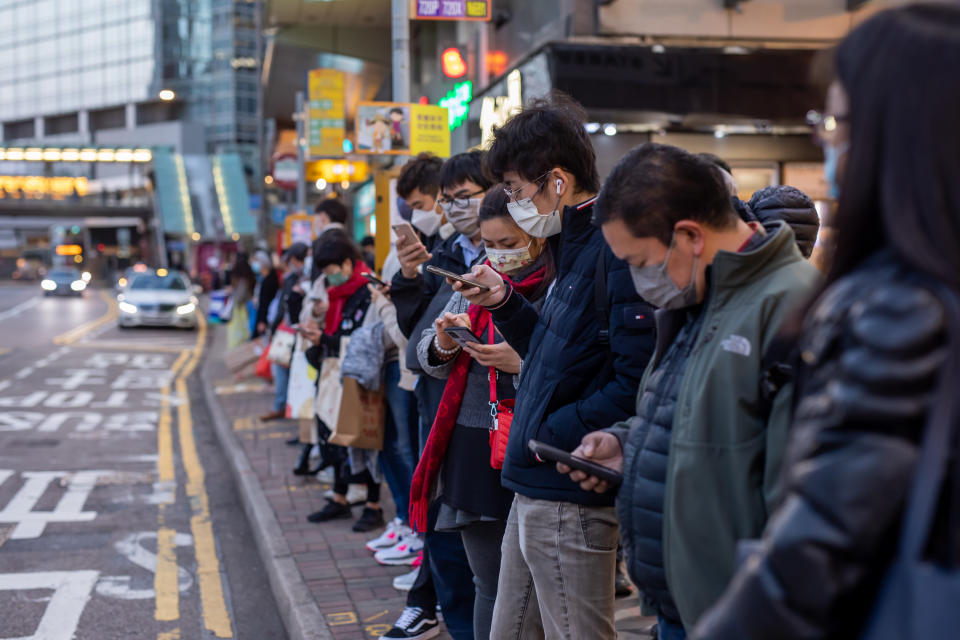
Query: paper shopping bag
[(359, 421)]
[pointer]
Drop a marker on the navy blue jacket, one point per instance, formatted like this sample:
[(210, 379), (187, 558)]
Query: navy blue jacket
[(572, 383)]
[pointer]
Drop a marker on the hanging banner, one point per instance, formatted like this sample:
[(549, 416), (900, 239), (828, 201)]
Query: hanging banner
[(396, 128), (449, 9), (325, 96)]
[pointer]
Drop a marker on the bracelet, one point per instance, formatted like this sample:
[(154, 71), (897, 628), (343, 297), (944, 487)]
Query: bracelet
[(502, 302), (444, 354)]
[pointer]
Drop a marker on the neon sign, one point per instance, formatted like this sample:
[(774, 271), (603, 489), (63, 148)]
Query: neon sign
[(457, 103)]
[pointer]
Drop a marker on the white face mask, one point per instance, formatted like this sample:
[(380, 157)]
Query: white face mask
[(655, 285), (426, 221), (509, 260), (464, 219), (529, 218)]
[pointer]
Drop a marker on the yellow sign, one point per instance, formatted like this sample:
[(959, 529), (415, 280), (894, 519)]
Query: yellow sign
[(398, 128), (299, 228), (41, 187), (69, 250), (337, 171), (327, 124)]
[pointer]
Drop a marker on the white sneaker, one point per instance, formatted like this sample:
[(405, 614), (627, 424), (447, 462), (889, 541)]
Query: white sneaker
[(356, 493), (394, 532), (325, 476), (404, 552), (405, 582)]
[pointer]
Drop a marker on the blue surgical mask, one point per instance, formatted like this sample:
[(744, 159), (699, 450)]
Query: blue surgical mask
[(831, 158)]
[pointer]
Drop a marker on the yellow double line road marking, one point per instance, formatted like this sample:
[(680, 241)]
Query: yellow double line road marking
[(78, 332), (216, 618)]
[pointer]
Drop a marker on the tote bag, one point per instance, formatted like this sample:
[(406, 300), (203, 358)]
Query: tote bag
[(918, 598)]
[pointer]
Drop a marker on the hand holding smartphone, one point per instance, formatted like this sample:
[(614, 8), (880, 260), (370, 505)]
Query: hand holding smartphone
[(545, 452), (462, 336), (449, 275), (374, 280)]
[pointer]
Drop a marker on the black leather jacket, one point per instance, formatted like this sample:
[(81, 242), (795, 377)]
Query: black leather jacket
[(872, 349)]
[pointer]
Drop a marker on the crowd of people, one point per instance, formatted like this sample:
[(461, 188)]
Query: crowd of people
[(777, 443)]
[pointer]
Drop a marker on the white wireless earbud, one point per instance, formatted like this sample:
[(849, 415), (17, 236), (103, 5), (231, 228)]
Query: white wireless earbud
[(559, 182)]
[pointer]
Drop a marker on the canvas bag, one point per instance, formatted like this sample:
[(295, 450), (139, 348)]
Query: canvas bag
[(301, 388), (281, 346), (917, 597)]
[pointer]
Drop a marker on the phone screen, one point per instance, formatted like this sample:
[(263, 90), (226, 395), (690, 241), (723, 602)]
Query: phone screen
[(457, 278), (462, 336)]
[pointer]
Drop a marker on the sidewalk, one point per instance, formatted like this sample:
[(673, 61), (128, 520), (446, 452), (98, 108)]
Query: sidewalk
[(326, 583)]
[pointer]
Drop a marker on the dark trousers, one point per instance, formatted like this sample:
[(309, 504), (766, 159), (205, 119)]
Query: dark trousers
[(343, 479), (445, 575)]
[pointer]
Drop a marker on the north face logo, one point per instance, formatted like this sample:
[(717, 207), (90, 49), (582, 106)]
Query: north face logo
[(737, 344)]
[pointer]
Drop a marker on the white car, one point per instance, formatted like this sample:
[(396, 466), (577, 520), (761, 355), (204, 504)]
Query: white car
[(158, 298)]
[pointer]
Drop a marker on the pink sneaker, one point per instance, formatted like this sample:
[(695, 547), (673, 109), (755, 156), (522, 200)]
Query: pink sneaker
[(417, 561), (403, 553)]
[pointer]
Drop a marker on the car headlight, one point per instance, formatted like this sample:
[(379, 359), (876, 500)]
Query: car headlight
[(126, 307), (122, 282), (78, 285), (48, 285), (184, 309), (85, 276)]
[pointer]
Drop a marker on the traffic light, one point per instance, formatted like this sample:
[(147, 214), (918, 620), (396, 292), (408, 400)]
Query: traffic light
[(452, 63)]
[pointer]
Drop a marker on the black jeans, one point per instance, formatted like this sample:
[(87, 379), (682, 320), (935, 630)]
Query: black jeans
[(342, 479)]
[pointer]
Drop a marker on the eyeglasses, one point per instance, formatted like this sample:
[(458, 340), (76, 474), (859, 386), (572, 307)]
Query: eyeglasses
[(460, 202), (511, 193), (825, 124)]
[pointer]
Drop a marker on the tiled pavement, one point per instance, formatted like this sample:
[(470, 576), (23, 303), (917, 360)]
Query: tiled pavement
[(353, 592)]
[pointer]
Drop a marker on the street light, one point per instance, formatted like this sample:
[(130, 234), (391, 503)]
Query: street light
[(321, 184), (167, 95)]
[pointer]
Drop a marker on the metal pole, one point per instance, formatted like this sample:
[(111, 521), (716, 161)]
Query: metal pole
[(401, 50), (301, 159), (260, 172)]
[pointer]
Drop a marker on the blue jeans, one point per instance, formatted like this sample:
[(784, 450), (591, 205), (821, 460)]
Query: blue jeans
[(397, 458), (281, 379), (667, 630)]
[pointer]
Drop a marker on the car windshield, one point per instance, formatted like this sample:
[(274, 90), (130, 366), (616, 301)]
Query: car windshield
[(170, 282), (63, 274)]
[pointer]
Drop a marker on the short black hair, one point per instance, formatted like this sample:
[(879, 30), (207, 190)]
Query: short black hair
[(368, 241), (335, 247), (334, 209), (422, 173), (494, 204), (297, 250), (548, 133), (463, 167), (655, 186), (715, 160)]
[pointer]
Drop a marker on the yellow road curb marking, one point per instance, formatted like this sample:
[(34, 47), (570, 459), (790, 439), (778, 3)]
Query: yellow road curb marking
[(76, 333), (165, 579)]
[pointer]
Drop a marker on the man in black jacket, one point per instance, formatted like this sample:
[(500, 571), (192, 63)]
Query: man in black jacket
[(583, 356), (419, 298)]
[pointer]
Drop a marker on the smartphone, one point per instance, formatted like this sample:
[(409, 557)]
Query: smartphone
[(453, 276), (374, 279), (462, 335), (405, 229), (546, 452)]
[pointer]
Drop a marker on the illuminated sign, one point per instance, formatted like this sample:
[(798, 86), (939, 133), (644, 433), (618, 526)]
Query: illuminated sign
[(496, 62), (41, 187), (457, 103), (401, 128), (69, 250), (495, 111), (74, 154), (449, 9), (337, 171), (452, 63), (327, 124)]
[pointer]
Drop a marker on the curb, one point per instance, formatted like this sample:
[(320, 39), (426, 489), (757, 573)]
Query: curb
[(299, 611)]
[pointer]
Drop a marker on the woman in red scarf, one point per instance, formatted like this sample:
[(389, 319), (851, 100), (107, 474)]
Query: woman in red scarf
[(341, 263), (456, 466)]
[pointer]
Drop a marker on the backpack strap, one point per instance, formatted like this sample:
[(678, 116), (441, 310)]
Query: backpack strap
[(600, 300)]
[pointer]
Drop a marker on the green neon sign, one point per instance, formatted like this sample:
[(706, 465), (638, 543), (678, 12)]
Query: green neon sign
[(457, 103)]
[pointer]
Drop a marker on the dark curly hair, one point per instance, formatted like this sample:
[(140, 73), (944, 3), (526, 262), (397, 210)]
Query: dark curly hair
[(548, 133)]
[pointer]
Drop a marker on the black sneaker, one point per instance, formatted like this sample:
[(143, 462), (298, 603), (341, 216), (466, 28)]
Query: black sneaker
[(413, 624), (333, 511), (369, 520)]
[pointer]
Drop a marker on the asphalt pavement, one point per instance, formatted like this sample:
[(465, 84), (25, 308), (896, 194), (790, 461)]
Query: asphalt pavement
[(119, 517)]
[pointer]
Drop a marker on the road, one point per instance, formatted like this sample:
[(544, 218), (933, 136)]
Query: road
[(118, 514)]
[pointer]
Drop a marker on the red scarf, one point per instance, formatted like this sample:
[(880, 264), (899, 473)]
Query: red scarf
[(435, 450), (339, 295)]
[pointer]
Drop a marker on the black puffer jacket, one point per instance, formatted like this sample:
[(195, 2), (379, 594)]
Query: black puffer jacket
[(791, 205), (872, 349)]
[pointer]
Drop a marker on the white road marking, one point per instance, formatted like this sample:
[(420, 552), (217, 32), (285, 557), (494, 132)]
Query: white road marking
[(71, 592), (20, 308), (30, 523), (131, 548)]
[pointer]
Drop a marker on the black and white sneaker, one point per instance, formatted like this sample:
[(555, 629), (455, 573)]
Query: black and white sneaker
[(413, 624)]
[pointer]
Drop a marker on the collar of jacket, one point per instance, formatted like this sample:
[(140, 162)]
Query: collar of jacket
[(577, 226), (731, 270)]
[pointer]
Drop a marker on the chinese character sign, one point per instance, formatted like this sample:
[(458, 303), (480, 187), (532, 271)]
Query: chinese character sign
[(392, 128), (450, 9), (326, 110)]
